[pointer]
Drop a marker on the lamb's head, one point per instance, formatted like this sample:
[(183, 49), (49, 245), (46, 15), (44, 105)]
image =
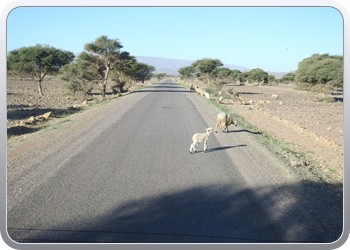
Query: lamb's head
[(235, 123), (209, 130)]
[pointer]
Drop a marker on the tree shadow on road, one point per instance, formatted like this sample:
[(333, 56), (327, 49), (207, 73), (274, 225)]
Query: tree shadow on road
[(204, 214)]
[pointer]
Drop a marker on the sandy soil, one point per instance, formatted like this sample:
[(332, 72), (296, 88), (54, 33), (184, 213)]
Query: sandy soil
[(312, 128)]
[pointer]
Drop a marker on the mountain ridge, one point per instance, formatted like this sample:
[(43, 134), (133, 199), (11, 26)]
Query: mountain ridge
[(171, 66)]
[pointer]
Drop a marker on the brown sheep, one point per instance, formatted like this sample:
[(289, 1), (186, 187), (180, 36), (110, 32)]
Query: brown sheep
[(224, 120)]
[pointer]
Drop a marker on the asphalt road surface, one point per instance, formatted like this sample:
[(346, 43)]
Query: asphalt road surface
[(129, 178)]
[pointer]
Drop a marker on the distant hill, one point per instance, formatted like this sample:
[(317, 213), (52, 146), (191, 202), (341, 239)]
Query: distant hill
[(164, 65), (171, 66), (279, 74)]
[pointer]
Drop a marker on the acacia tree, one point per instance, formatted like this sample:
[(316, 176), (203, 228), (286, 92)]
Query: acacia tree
[(159, 76), (258, 75), (234, 76), (122, 74), (271, 79), (142, 71), (287, 78), (206, 66), (243, 77), (109, 54), (82, 74), (221, 73), (37, 62), (187, 71), (321, 69)]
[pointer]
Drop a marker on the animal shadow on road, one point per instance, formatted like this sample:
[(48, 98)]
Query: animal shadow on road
[(220, 148), (244, 130), (226, 147)]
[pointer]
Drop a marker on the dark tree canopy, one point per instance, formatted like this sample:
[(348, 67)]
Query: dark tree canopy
[(221, 73), (37, 62), (142, 71), (206, 66), (109, 53), (82, 74), (234, 75), (187, 71), (122, 74), (258, 75), (159, 76), (287, 78), (321, 69)]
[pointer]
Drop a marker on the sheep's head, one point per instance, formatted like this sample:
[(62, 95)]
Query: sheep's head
[(235, 123), (209, 130)]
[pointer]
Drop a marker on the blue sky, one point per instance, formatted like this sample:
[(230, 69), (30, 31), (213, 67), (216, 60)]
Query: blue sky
[(270, 38)]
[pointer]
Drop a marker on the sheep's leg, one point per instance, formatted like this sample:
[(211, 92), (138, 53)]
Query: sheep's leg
[(223, 127), (216, 128), (205, 147), (192, 147)]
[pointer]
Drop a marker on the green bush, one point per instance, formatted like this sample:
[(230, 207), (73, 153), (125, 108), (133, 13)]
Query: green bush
[(321, 70)]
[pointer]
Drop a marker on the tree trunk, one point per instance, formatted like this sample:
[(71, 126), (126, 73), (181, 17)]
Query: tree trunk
[(208, 78), (103, 90), (40, 88)]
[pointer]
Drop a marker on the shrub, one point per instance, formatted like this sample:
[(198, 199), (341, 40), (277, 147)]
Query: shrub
[(321, 70)]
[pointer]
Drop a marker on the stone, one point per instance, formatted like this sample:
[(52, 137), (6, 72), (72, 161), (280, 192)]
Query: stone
[(31, 119), (47, 115)]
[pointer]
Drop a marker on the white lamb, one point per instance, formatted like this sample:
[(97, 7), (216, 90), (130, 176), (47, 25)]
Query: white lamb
[(224, 120), (201, 137)]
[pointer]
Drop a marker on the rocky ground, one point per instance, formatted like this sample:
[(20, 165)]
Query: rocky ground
[(310, 124), (28, 112)]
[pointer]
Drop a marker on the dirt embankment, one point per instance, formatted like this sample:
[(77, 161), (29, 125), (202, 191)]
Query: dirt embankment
[(308, 123)]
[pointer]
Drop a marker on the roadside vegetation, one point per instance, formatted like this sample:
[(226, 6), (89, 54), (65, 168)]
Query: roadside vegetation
[(100, 61), (320, 73)]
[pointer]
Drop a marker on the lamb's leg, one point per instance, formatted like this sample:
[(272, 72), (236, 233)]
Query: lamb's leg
[(205, 147), (192, 147), (216, 128)]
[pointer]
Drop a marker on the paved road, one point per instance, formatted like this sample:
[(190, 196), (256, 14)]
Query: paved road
[(137, 182)]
